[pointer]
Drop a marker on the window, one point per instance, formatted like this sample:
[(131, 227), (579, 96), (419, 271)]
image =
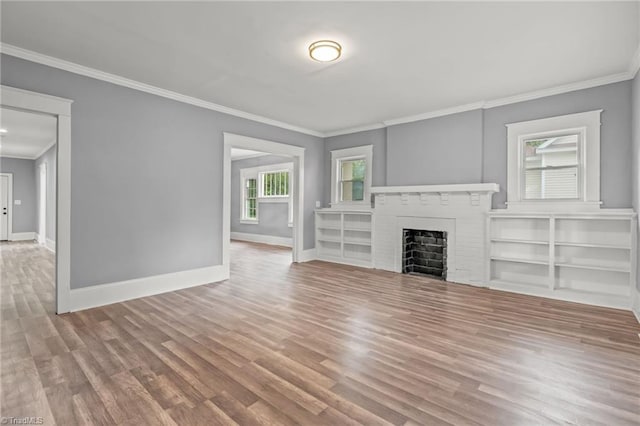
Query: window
[(274, 184), (551, 168), (265, 184), (250, 199), (351, 171), (352, 179), (554, 163)]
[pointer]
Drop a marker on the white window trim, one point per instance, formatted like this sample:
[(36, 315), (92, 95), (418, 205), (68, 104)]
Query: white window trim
[(587, 125), (366, 152), (256, 173)]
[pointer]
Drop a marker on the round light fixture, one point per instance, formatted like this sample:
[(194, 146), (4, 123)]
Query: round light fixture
[(325, 51)]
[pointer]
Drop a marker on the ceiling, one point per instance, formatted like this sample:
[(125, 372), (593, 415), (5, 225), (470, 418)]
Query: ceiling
[(28, 135), (399, 59)]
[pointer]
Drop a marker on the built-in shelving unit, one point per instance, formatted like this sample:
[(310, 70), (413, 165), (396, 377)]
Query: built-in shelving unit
[(589, 258), (344, 236)]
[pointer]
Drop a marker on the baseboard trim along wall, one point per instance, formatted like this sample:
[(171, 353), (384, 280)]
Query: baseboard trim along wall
[(636, 303), (264, 239), (50, 244), (308, 255), (22, 236), (106, 294)]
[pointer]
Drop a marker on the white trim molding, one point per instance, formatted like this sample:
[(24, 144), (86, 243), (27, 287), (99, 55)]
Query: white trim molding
[(39, 58), (308, 255), (584, 124), (106, 294), (22, 236), (10, 202), (263, 239), (61, 109), (635, 307)]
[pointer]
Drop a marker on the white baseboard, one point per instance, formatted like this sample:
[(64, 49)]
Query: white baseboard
[(264, 239), (22, 236), (106, 294), (636, 303), (308, 255), (50, 244)]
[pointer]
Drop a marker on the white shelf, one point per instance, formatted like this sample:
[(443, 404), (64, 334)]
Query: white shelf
[(514, 241), (595, 267), (344, 236), (590, 245), (587, 258), (329, 240), (358, 243), (516, 260)]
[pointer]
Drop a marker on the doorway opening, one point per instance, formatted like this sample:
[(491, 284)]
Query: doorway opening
[(35, 158), (27, 231), (263, 201)]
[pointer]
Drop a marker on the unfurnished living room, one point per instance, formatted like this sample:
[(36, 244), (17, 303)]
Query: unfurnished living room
[(319, 213)]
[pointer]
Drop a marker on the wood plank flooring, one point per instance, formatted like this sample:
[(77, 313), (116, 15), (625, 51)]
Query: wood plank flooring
[(312, 343)]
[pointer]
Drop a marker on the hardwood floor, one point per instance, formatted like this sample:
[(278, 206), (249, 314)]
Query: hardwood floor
[(312, 343)]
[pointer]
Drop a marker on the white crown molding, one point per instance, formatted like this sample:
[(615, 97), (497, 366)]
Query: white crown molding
[(46, 148), (433, 114), (355, 130), (39, 58), (565, 88), (634, 65), (18, 52), (16, 157)]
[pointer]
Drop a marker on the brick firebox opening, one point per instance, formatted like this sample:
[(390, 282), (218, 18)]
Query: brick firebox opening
[(424, 253)]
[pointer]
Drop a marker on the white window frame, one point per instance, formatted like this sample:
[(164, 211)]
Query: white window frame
[(364, 152), (257, 173), (243, 192), (587, 126), (274, 198)]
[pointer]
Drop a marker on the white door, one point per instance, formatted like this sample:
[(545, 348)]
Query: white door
[(42, 207), (4, 206)]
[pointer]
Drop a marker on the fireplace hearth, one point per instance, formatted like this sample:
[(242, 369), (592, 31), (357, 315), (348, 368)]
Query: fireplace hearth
[(424, 253)]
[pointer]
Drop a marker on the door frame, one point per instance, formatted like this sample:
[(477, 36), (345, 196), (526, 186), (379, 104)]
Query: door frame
[(60, 108), (42, 203), (232, 140), (10, 204)]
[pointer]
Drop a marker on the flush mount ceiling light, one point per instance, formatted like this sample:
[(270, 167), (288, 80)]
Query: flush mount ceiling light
[(325, 51), (3, 130)]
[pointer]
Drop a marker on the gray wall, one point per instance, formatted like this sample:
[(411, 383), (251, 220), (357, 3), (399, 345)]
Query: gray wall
[(615, 148), (273, 218), (377, 138), (146, 176), (25, 216), (441, 150), (635, 159), (49, 158), (471, 147)]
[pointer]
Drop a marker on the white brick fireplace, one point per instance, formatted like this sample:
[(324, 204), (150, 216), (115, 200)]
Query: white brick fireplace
[(458, 210)]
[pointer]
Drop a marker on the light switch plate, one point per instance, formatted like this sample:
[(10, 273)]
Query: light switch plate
[(17, 202), (318, 204)]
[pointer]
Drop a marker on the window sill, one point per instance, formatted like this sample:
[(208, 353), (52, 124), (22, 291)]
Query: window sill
[(273, 199), (249, 221)]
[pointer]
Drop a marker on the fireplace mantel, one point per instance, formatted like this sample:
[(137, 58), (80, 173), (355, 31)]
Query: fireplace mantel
[(436, 189)]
